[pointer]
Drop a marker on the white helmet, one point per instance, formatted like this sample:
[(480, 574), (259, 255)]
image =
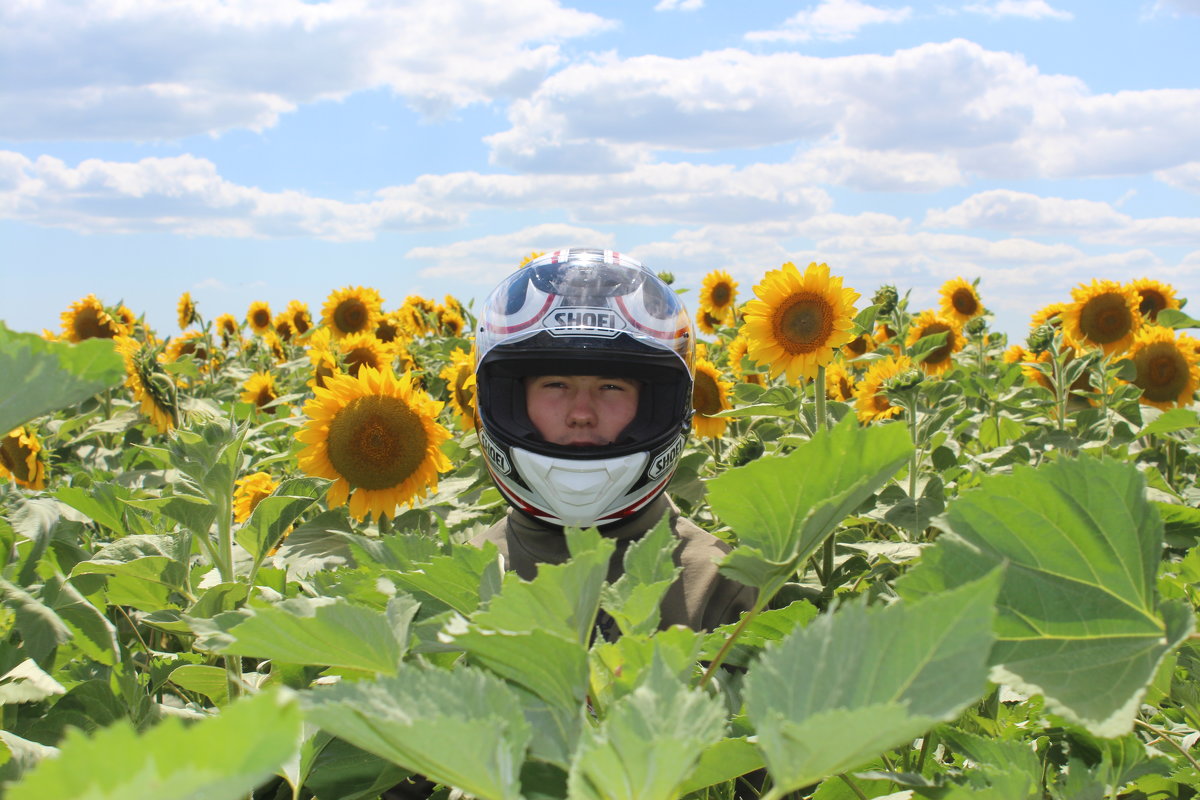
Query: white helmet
[(583, 312)]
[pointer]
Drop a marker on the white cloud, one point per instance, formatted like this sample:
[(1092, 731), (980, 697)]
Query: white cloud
[(185, 195), (831, 20), (484, 261), (1032, 214), (1028, 9), (972, 111), (96, 69), (1177, 7), (1186, 176), (679, 5)]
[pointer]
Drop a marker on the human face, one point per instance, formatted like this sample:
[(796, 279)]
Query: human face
[(580, 410)]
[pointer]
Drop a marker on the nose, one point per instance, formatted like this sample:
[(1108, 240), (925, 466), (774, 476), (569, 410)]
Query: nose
[(582, 411)]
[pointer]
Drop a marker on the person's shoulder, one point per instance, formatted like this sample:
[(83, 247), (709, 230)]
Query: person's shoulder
[(693, 536), (497, 534)]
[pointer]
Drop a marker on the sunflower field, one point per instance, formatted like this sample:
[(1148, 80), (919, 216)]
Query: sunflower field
[(235, 560)]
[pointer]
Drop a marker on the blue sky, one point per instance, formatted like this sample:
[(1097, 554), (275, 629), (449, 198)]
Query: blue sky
[(278, 149)]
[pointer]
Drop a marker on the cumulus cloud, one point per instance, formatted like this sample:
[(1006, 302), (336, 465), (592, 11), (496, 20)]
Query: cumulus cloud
[(483, 261), (96, 69), (185, 195), (1028, 9), (975, 112), (679, 5), (1178, 7), (831, 20), (1020, 211), (1185, 177)]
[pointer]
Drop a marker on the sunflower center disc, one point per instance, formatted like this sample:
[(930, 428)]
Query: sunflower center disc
[(940, 354), (964, 302), (376, 442), (705, 397), (805, 324), (720, 295), (13, 456), (859, 345), (462, 395), (1162, 372), (351, 315), (261, 319), (361, 357), (1105, 319), (88, 325), (1152, 303)]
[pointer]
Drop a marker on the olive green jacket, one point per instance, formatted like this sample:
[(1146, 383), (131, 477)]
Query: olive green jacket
[(701, 598)]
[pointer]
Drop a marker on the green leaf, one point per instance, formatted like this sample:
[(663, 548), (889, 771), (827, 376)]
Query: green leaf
[(783, 508), (27, 683), (861, 680), (92, 632), (1079, 620), (924, 347), (633, 601), (1174, 318), (723, 761), (18, 756), (146, 572), (335, 768), (766, 627), (41, 629), (650, 742), (274, 514), (319, 630), (463, 728), (102, 502), (212, 682), (215, 759), (1172, 420), (459, 581), (42, 376)]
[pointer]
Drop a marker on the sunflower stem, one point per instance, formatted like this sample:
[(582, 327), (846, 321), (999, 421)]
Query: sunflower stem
[(819, 396)]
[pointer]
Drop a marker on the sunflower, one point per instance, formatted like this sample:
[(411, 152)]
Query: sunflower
[(870, 400), (125, 317), (250, 491), (885, 334), (706, 322), (360, 350), (718, 293), (229, 330), (258, 317), (301, 320), (351, 309), (411, 319), (149, 382), (799, 320), (454, 304), (710, 395), (928, 323), (1051, 315), (1015, 354), (1029, 367), (194, 344), (275, 346), (20, 459), (459, 375), (377, 437), (1104, 314), (282, 327), (839, 383), (960, 303), (1154, 297), (186, 310), (260, 390), (451, 322), (88, 319), (1168, 367), (389, 329), (858, 346)]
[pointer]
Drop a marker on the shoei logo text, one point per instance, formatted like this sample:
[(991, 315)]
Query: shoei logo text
[(494, 453), (582, 320), (665, 460)]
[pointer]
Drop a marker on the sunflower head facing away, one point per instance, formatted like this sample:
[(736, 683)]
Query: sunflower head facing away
[(152, 387), (299, 317), (88, 319), (870, 398), (959, 301), (1153, 297), (930, 323), (798, 320), (1168, 367), (718, 293), (377, 437), (459, 375), (258, 317), (351, 309), (710, 395), (1104, 314), (251, 490), (185, 310), (839, 383), (21, 460)]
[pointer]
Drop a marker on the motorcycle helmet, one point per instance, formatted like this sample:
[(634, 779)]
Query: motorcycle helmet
[(583, 312)]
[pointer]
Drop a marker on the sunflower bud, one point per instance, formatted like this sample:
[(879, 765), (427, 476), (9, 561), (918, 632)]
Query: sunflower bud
[(976, 326), (745, 451), (1040, 339), (904, 381), (666, 277), (886, 298)]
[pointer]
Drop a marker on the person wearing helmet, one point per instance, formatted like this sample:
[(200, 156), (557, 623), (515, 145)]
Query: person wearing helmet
[(584, 400)]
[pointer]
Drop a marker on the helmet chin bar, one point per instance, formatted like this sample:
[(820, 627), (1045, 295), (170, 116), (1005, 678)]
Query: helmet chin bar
[(580, 493)]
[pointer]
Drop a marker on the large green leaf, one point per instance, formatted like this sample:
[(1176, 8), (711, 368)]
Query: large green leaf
[(275, 514), (461, 580), (217, 759), (1079, 620), (463, 728), (320, 631), (782, 509), (633, 601), (42, 376), (650, 742), (861, 680)]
